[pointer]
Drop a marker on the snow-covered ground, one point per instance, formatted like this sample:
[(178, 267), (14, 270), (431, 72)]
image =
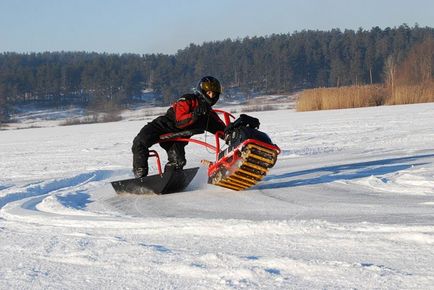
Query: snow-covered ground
[(349, 204)]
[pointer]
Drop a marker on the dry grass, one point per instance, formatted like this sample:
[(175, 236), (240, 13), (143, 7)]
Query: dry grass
[(256, 108), (90, 119), (341, 98), (411, 94)]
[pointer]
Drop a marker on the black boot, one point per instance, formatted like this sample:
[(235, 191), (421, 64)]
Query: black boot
[(174, 166), (176, 157), (140, 172), (140, 158)]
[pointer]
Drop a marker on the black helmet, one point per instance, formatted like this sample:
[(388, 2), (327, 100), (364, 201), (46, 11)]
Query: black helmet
[(209, 83)]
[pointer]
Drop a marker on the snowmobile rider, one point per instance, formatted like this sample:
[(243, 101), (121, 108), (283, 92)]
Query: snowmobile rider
[(190, 111)]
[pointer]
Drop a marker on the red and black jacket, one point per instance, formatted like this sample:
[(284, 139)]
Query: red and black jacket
[(181, 113)]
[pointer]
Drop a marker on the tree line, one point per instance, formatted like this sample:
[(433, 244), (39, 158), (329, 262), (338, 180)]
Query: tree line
[(278, 63)]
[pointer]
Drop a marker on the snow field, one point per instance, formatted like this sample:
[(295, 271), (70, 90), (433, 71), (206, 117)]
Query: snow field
[(349, 204)]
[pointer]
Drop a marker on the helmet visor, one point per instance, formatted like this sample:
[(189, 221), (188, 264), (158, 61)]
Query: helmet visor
[(211, 86)]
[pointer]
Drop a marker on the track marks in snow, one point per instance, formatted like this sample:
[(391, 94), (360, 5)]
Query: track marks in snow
[(3, 187), (280, 272), (47, 187), (157, 248), (231, 254), (42, 200)]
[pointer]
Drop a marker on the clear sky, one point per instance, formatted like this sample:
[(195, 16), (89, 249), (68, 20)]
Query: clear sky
[(164, 26)]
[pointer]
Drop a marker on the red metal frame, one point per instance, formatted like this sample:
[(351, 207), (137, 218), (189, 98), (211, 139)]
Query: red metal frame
[(226, 115), (153, 153), (216, 148)]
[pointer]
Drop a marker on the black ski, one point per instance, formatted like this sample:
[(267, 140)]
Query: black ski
[(169, 182)]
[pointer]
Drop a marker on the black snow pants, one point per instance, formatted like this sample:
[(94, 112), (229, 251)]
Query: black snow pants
[(149, 135)]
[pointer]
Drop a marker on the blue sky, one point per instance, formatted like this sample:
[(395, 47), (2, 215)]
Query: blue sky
[(164, 26)]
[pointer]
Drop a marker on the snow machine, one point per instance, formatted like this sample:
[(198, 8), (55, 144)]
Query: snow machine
[(248, 156)]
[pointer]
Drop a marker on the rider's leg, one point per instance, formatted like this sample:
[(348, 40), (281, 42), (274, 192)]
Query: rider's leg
[(147, 137), (175, 154)]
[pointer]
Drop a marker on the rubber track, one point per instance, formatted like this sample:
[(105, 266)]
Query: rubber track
[(252, 167)]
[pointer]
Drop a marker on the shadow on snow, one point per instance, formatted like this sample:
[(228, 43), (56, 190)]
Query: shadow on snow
[(344, 172), (77, 200)]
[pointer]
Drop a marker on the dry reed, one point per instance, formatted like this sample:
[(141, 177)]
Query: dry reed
[(341, 98), (411, 94)]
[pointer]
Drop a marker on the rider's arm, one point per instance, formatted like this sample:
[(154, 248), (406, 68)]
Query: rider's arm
[(183, 109), (215, 124)]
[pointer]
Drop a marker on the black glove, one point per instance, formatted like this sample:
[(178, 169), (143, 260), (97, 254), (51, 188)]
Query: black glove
[(242, 121), (229, 128), (228, 132), (201, 109)]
